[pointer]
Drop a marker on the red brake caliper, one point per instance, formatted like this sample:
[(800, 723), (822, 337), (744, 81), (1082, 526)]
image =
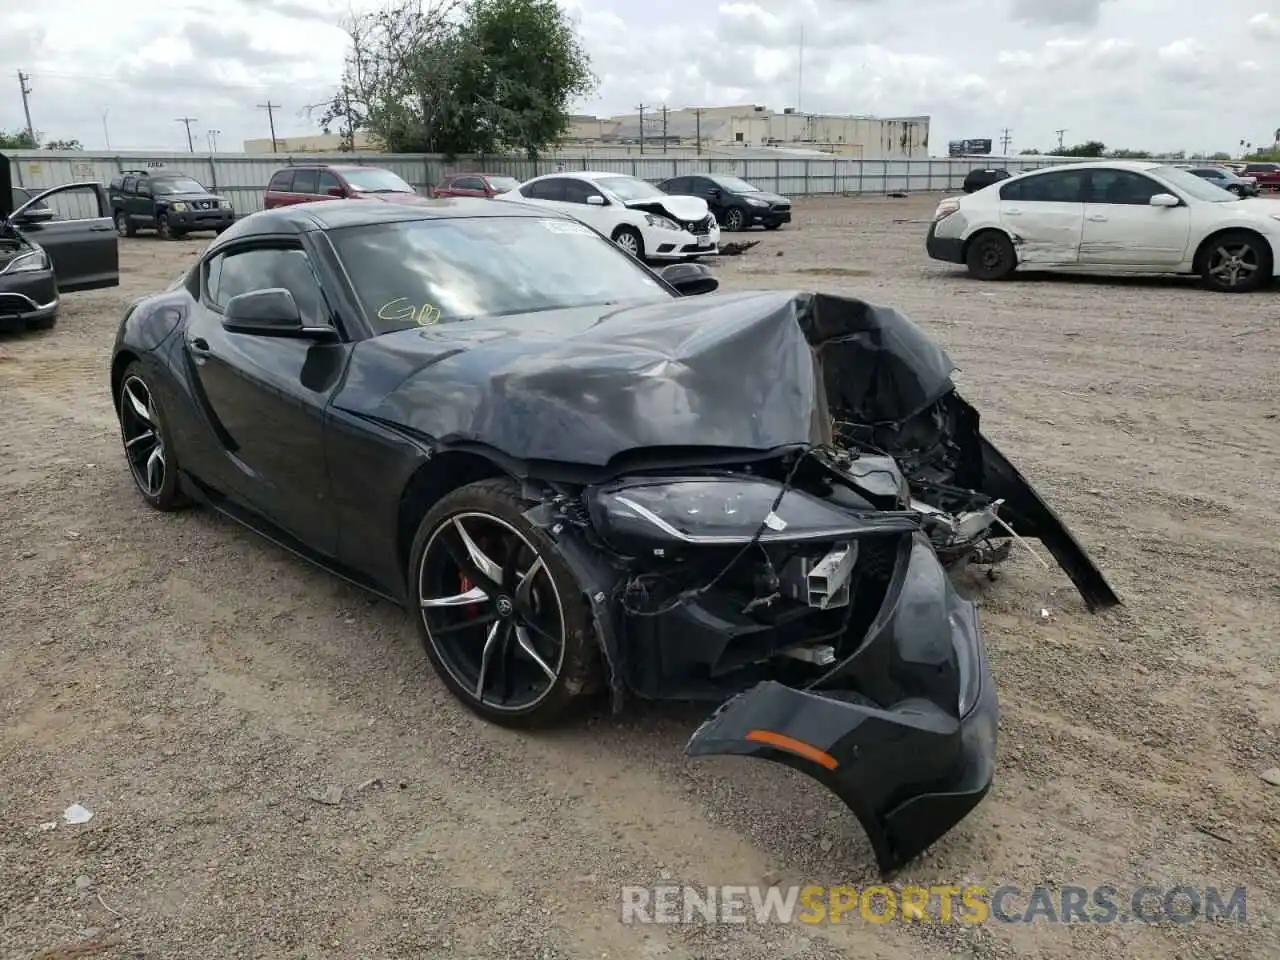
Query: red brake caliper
[(465, 584)]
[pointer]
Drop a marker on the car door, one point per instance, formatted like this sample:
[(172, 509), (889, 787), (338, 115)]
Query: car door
[(142, 205), (306, 186), (578, 202), (1122, 227), (1044, 214), (277, 194), (468, 187), (265, 396), (80, 238), (328, 187), (546, 193)]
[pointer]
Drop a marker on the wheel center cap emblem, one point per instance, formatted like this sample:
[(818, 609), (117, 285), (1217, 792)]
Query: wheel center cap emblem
[(505, 607)]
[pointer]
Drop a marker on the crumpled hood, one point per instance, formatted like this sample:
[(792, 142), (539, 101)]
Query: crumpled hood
[(682, 208), (747, 372)]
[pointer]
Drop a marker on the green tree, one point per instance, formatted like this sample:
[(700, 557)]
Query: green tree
[(64, 145), (452, 77), (17, 140), (1129, 154), (1090, 148)]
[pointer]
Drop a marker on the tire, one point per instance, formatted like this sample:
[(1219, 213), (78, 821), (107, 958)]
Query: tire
[(492, 514), (44, 323), (123, 227), (163, 492), (990, 256), (163, 230), (735, 220), (629, 239), (1247, 253)]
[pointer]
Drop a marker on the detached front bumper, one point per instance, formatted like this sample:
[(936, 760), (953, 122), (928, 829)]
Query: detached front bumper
[(903, 730)]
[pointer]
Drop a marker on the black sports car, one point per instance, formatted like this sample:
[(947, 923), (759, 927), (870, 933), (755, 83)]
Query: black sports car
[(43, 256), (582, 479)]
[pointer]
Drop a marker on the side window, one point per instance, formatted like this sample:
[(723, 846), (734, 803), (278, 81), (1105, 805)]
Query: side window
[(143, 187), (551, 189), (678, 186), (1061, 186), (304, 180), (468, 183), (282, 181), (1122, 187), (243, 271), (127, 184), (577, 191), (326, 182)]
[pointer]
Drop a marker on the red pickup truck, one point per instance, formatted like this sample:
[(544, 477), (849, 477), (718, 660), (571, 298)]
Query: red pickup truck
[(1267, 174)]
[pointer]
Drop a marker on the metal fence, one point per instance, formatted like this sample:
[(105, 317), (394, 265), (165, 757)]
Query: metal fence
[(243, 178)]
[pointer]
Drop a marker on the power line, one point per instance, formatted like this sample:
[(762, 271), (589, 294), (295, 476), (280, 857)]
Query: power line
[(271, 109), (188, 121), (1061, 146), (641, 109), (1005, 140), (212, 137), (26, 104)]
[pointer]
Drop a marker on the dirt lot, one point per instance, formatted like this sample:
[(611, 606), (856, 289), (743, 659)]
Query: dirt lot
[(193, 686)]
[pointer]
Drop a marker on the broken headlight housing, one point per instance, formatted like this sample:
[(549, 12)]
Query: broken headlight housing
[(719, 512), (32, 262)]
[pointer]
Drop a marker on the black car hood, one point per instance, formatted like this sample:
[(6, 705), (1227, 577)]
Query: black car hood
[(767, 197), (743, 372), (187, 197)]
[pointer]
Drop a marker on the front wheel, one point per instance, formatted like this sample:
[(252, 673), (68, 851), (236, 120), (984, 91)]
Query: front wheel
[(1236, 262), (503, 620), (164, 229), (734, 220), (991, 256), (629, 239)]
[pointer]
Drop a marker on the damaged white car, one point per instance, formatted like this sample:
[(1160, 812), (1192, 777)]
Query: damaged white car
[(1115, 216), (634, 214)]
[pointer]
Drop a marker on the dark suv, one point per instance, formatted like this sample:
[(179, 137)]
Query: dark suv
[(171, 204)]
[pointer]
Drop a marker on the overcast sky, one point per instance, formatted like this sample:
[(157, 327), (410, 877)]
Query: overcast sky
[(1155, 74)]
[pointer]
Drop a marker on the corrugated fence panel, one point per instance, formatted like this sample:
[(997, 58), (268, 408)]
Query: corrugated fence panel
[(243, 178)]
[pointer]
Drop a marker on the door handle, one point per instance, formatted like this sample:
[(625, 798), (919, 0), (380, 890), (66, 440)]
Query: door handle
[(1013, 213), (102, 227), (1097, 218), (199, 346)]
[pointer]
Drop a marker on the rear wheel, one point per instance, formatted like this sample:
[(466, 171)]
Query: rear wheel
[(1235, 262), (123, 227), (503, 620), (990, 256)]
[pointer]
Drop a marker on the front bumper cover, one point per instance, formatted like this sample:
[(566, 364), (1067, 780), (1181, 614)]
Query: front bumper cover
[(883, 729), (27, 297)]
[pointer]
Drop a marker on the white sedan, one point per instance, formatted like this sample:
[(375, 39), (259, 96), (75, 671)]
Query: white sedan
[(1123, 216), (636, 215)]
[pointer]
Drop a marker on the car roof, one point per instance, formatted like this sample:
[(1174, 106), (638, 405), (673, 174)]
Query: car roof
[(1136, 165), (336, 214), (588, 175)]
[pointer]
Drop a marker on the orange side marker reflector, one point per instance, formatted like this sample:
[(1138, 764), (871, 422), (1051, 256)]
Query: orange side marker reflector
[(792, 745)]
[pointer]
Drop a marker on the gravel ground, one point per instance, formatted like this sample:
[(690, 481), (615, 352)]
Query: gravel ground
[(195, 687)]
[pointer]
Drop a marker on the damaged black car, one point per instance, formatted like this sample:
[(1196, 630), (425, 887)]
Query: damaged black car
[(583, 479)]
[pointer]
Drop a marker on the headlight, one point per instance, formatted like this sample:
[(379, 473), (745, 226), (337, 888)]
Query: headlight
[(32, 262), (757, 203), (662, 223), (725, 512), (225, 204), (178, 206)]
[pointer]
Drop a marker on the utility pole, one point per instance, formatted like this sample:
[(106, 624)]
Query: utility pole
[(212, 137), (26, 105), (1061, 146), (271, 108), (697, 120), (800, 73), (188, 121), (664, 128), (1005, 140), (641, 109), (106, 133)]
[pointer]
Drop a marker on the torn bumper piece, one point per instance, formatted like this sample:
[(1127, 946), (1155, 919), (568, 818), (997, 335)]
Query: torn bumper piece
[(910, 763)]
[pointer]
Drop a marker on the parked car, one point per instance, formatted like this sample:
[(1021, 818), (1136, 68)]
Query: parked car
[(43, 256), (474, 185), (580, 480), (737, 204), (1267, 175), (1226, 179), (170, 203), (976, 180), (311, 182), (633, 213), (1129, 216)]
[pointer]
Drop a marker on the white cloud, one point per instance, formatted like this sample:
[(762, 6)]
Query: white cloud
[(1135, 73)]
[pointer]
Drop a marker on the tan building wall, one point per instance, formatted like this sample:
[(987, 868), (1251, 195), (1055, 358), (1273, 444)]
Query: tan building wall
[(315, 143)]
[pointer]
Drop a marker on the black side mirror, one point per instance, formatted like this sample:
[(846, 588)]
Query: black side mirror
[(270, 313), (690, 279), (715, 193), (36, 215)]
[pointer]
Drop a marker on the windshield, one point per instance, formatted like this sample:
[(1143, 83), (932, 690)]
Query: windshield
[(735, 185), (1195, 187), (185, 185), (630, 188), (503, 184), (375, 180), (424, 272)]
